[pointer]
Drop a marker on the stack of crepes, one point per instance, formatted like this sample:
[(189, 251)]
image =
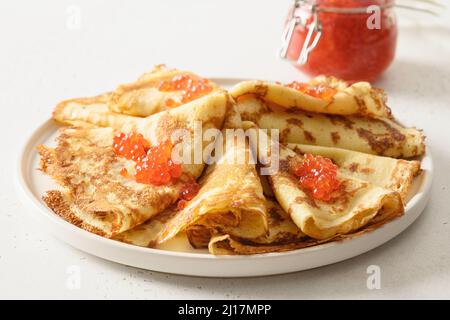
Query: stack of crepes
[(231, 208)]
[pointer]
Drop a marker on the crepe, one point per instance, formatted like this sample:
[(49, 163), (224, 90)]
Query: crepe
[(380, 136), (359, 204), (143, 98), (148, 234), (356, 99), (385, 172), (96, 111), (230, 199), (96, 196), (283, 235), (89, 111)]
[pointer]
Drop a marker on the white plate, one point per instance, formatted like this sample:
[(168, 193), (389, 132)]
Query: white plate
[(177, 256)]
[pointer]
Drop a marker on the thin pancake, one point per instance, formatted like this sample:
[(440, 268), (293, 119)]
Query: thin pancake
[(96, 196), (143, 98), (379, 136), (283, 235), (230, 200), (94, 110), (148, 233), (225, 244), (389, 173), (360, 202), (356, 99)]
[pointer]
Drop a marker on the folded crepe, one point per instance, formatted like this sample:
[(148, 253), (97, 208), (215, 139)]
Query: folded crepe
[(283, 235), (96, 195), (385, 172), (356, 99), (359, 203), (89, 111), (380, 136), (139, 99), (148, 234), (143, 97), (230, 200), (97, 111)]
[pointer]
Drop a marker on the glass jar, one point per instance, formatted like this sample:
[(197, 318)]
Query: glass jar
[(350, 39)]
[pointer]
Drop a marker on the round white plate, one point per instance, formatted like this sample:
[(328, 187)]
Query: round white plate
[(177, 256)]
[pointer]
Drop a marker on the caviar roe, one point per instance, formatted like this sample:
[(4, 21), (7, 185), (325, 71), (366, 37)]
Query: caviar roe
[(132, 146), (320, 91), (188, 191), (153, 163), (318, 177), (157, 167), (192, 87), (124, 172)]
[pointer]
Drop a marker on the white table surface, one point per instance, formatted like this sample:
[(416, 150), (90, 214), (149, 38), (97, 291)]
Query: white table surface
[(44, 59)]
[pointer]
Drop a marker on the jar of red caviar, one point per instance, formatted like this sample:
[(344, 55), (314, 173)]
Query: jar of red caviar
[(350, 39)]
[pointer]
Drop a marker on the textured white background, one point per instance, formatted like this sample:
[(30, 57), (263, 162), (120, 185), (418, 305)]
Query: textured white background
[(42, 61)]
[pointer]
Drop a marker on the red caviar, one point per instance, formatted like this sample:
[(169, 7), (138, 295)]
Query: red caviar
[(192, 87), (189, 190), (153, 163), (181, 204), (317, 177), (319, 91), (124, 172), (187, 193), (157, 167), (132, 146)]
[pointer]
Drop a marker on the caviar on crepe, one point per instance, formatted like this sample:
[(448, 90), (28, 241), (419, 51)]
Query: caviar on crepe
[(124, 172), (192, 87), (153, 163), (188, 191), (132, 146), (320, 91), (157, 167), (318, 177)]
